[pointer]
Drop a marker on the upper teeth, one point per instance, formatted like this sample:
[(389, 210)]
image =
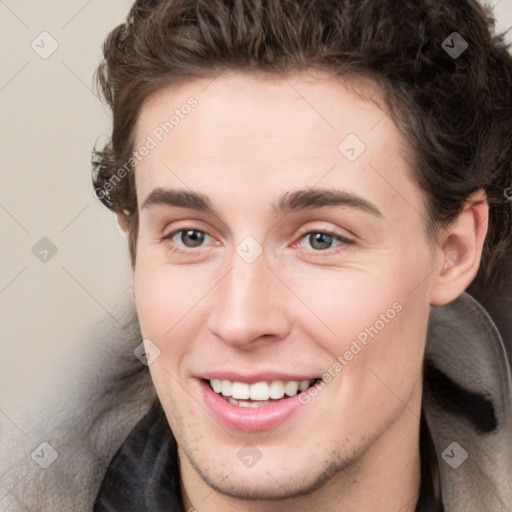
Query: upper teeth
[(259, 390)]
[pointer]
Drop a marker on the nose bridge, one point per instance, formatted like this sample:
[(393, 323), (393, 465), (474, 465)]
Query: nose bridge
[(247, 301)]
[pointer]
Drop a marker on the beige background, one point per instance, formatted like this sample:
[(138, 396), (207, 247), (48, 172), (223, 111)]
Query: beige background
[(50, 121)]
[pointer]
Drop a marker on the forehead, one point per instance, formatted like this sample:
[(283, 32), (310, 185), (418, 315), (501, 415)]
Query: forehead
[(312, 106), (267, 134)]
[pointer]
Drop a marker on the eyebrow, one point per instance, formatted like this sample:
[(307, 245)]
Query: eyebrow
[(288, 202)]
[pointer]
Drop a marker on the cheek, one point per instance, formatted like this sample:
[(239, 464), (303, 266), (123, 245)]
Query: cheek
[(153, 300), (373, 321), (336, 306), (359, 303), (375, 361), (169, 299)]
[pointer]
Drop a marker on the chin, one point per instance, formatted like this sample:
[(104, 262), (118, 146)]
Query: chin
[(270, 481)]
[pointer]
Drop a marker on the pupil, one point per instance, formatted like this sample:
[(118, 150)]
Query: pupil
[(195, 236), (321, 238)]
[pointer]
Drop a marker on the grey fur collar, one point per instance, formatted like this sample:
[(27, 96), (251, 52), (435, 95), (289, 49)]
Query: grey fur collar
[(465, 345)]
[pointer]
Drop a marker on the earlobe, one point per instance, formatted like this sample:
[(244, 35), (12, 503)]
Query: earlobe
[(460, 250), (123, 220)]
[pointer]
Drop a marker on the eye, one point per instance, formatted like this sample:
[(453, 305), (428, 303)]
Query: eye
[(319, 241), (322, 240), (190, 238)]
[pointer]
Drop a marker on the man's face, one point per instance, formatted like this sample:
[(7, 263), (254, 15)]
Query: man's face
[(247, 294)]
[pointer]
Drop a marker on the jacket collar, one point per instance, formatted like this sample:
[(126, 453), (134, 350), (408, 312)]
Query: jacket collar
[(468, 407)]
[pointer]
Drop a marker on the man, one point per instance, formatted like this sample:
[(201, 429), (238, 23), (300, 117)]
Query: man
[(309, 188), (291, 230)]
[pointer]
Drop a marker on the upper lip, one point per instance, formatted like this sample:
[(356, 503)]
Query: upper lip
[(251, 378)]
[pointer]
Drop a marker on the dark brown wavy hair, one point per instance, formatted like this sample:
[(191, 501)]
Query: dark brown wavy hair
[(454, 113)]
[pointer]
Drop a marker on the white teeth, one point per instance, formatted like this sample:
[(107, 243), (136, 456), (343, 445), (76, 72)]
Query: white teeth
[(303, 385), (242, 403), (226, 387), (216, 385), (291, 387), (260, 391), (276, 389), (240, 390)]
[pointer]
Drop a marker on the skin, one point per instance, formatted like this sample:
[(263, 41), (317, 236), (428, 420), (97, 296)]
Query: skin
[(296, 308)]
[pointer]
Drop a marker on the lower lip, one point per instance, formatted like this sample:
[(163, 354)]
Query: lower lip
[(249, 419)]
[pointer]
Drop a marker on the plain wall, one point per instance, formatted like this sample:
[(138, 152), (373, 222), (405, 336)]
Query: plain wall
[(50, 120)]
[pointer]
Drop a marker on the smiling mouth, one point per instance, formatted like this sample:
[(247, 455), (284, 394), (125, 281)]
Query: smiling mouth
[(258, 394)]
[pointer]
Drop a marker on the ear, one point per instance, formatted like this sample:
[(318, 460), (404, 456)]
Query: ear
[(123, 220), (460, 250)]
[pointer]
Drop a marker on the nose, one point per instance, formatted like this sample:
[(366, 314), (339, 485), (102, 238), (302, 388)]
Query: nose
[(249, 305)]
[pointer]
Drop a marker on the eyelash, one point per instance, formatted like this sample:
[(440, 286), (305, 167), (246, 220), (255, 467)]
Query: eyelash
[(324, 253), (302, 233)]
